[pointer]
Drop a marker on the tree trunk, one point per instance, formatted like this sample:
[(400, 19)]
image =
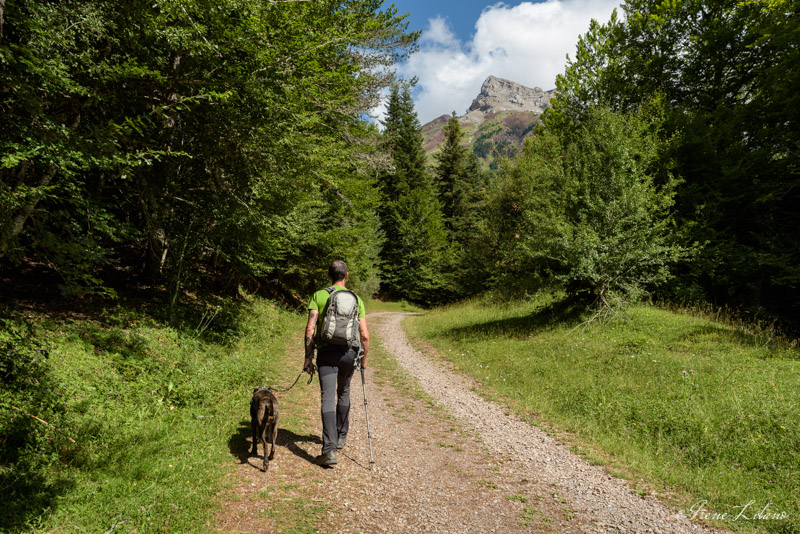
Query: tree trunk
[(12, 223), (2, 10), (179, 269), (157, 241)]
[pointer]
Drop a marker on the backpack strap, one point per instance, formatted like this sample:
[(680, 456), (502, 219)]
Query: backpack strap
[(324, 309), (322, 312)]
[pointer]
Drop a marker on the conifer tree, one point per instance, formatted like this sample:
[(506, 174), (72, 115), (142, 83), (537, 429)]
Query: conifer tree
[(450, 169), (461, 187), (416, 240)]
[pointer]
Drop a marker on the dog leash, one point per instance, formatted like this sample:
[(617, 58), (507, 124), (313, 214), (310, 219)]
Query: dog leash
[(310, 378)]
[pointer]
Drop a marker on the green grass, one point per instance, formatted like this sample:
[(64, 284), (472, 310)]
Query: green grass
[(697, 409), (155, 413), (378, 306)]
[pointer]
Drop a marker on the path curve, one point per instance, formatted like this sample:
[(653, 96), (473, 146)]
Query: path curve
[(447, 462), (602, 502)]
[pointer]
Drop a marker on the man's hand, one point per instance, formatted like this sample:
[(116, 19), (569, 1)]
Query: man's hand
[(361, 359), (363, 333), (308, 366)]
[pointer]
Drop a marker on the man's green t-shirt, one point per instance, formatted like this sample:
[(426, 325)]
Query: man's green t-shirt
[(320, 300)]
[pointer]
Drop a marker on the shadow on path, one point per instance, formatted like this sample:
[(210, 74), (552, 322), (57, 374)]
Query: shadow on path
[(359, 464), (239, 443)]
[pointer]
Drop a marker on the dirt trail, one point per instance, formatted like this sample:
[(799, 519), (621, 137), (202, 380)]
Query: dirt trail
[(447, 461)]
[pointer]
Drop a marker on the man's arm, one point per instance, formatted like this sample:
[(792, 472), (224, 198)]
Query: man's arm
[(309, 341), (363, 332)]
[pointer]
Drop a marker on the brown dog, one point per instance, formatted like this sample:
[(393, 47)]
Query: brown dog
[(264, 422)]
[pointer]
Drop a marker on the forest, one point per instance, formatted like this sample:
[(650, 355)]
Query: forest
[(185, 147), (190, 146), (179, 145)]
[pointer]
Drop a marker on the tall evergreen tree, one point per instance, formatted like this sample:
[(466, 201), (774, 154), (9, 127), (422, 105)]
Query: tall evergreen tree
[(415, 244), (470, 228), (461, 187), (450, 169)]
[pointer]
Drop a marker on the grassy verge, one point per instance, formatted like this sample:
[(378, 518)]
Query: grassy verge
[(692, 407), (154, 413), (378, 306)]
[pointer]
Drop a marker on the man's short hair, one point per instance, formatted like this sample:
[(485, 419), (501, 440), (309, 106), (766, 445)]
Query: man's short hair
[(337, 270)]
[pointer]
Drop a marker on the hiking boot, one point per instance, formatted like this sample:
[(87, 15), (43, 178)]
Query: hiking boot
[(342, 440), (326, 460)]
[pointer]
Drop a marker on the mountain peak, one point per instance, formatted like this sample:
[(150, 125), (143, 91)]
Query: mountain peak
[(498, 94), (497, 122)]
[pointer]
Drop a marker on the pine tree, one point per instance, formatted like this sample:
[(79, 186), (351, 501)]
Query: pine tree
[(461, 186), (416, 240), (450, 169)]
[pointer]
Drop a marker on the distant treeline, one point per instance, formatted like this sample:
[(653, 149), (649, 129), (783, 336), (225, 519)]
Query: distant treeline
[(668, 163), (187, 143)]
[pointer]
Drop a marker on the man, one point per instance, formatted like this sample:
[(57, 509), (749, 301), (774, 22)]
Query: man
[(335, 364)]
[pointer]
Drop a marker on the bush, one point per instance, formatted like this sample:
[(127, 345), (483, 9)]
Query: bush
[(28, 447), (590, 208)]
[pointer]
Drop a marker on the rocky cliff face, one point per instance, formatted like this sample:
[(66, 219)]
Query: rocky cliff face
[(498, 94), (497, 122)]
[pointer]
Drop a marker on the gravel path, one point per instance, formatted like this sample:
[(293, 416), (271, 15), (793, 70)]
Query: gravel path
[(447, 461), (600, 502)]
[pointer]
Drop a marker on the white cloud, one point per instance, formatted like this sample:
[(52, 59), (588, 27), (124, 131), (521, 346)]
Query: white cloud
[(439, 34), (527, 43)]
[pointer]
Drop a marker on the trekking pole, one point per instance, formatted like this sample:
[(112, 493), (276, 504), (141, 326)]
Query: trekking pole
[(366, 412)]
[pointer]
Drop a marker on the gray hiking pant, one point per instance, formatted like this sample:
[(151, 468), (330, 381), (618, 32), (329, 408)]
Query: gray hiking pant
[(335, 366)]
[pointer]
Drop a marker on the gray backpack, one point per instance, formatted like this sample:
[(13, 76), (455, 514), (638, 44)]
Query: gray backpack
[(340, 323)]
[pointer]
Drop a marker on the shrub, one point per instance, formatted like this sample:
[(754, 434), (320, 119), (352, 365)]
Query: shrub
[(27, 446), (591, 208)]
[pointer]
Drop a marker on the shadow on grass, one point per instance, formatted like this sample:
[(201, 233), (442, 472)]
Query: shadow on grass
[(27, 496), (566, 312), (31, 454), (732, 335), (699, 332), (239, 443)]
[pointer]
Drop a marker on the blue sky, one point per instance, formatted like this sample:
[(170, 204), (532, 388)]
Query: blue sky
[(463, 42), (460, 14)]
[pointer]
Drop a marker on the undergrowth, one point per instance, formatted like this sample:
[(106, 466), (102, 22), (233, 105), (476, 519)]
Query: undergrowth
[(700, 410), (116, 421)]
